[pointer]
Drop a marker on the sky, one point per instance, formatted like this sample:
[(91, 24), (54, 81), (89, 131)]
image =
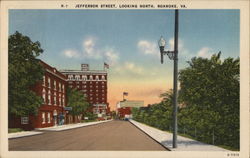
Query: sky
[(128, 41)]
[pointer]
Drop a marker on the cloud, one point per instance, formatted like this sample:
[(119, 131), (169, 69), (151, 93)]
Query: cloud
[(111, 56), (205, 52), (89, 48), (133, 68), (147, 47), (180, 44), (71, 53)]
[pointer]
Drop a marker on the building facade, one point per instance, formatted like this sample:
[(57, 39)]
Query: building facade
[(124, 108), (93, 84), (53, 91)]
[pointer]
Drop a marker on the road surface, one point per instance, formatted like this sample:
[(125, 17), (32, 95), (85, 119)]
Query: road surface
[(113, 135)]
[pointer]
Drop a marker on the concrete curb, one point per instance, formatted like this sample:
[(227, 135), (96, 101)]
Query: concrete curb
[(23, 134), (71, 126)]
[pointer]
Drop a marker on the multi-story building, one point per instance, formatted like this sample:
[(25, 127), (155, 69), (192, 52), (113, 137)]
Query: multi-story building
[(124, 108), (53, 91), (93, 84)]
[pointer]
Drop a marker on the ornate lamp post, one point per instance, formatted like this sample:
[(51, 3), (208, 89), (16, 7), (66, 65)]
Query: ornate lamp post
[(173, 55)]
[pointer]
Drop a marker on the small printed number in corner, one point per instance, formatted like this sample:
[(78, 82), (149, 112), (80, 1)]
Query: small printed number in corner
[(233, 154)]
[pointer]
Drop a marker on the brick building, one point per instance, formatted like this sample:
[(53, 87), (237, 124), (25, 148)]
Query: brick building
[(93, 84), (124, 108), (53, 91)]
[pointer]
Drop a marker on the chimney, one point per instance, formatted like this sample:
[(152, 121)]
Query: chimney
[(85, 67)]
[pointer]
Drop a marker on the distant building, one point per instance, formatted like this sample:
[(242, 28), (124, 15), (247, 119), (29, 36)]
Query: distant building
[(53, 91), (93, 84), (124, 108)]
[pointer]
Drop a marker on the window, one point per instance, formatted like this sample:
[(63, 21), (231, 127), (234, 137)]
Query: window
[(96, 78), (48, 117), (70, 77), (43, 80), (54, 84), (59, 87), (59, 99), (49, 98), (48, 82), (63, 88), (24, 120), (77, 77), (91, 78), (84, 78), (103, 78), (43, 118), (44, 96), (54, 98)]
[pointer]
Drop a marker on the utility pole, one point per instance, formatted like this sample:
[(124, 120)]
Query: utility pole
[(175, 79)]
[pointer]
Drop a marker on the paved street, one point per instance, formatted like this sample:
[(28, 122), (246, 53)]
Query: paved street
[(114, 135)]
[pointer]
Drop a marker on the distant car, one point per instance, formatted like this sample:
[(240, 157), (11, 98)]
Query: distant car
[(126, 119)]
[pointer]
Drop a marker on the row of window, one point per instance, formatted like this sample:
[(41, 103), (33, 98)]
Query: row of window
[(92, 98), (84, 82), (85, 78), (60, 85), (84, 87), (49, 118), (96, 102), (61, 100), (98, 111), (96, 94)]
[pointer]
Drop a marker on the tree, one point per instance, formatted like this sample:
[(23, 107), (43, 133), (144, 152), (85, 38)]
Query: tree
[(77, 101), (210, 90), (24, 72)]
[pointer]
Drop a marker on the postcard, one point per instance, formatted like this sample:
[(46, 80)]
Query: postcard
[(125, 79)]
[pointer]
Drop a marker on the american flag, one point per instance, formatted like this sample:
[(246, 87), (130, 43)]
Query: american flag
[(106, 65)]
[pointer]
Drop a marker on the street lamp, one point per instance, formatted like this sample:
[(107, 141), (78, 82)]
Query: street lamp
[(173, 55)]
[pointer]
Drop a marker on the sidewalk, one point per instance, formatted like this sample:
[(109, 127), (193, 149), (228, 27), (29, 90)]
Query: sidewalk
[(70, 126), (183, 143), (54, 128)]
